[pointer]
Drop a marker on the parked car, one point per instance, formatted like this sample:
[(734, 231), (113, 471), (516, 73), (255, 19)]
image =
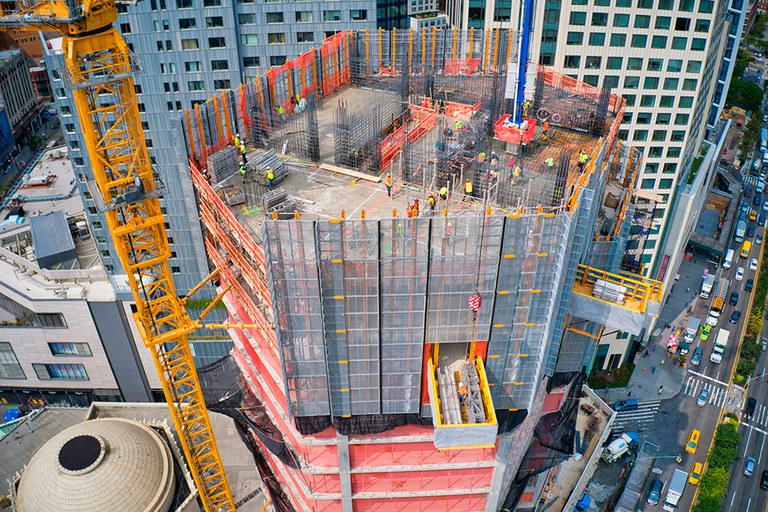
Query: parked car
[(735, 317), (759, 239), (748, 285), (761, 220), (749, 466), (701, 401), (749, 410), (696, 358), (734, 298), (654, 494), (625, 405)]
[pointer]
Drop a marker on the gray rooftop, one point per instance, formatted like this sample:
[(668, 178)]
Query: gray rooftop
[(52, 239)]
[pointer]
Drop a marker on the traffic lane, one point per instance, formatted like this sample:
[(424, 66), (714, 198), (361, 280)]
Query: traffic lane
[(744, 492), (704, 420)]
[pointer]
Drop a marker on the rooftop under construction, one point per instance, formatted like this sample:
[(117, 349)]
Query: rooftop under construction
[(387, 340)]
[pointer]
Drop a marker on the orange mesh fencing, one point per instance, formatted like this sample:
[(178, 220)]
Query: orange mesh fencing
[(461, 66), (334, 56), (462, 111)]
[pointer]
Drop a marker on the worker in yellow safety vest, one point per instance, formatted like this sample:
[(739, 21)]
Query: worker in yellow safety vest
[(517, 172), (431, 200), (583, 158), (236, 140), (459, 124), (443, 193), (243, 171), (270, 174), (468, 190), (550, 162), (388, 184)]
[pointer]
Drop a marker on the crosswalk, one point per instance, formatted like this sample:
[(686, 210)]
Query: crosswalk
[(694, 385), (759, 419), (752, 180), (637, 419)]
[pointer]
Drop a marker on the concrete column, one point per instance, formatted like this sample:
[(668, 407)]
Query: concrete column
[(344, 475)]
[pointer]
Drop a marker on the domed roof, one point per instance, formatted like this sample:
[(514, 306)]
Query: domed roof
[(105, 464)]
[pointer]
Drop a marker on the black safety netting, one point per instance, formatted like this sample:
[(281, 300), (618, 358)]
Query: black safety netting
[(553, 443), (510, 420), (364, 424), (226, 392)]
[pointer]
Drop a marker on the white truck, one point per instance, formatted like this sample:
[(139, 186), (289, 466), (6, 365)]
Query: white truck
[(721, 290), (676, 488), (720, 343), (706, 286), (691, 331), (620, 446), (741, 228)]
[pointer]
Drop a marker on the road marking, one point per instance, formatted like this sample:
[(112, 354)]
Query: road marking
[(749, 501), (760, 453), (732, 497), (709, 378), (752, 427), (747, 443)]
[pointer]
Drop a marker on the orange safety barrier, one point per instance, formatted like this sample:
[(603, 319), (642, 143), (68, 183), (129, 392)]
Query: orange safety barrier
[(335, 62), (461, 110), (426, 119), (512, 134), (391, 146)]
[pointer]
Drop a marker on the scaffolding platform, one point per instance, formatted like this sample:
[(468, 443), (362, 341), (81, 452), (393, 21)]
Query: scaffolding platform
[(620, 301), (462, 408)]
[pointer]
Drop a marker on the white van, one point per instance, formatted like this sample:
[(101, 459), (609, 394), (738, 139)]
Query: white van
[(728, 259)]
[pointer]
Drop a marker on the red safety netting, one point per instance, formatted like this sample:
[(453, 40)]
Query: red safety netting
[(423, 119), (512, 134), (461, 66), (334, 55)]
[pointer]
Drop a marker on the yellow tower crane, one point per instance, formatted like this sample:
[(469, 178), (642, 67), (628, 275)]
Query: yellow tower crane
[(99, 72)]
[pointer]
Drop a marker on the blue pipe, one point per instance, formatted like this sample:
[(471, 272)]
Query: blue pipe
[(527, 8)]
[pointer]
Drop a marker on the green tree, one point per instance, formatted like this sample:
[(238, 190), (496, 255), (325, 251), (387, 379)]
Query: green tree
[(714, 483), (707, 504), (755, 321), (723, 453)]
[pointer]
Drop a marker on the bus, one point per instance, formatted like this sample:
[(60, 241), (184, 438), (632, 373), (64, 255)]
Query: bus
[(745, 249)]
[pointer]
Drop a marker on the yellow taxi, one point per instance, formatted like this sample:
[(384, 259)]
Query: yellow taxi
[(693, 442), (695, 475)]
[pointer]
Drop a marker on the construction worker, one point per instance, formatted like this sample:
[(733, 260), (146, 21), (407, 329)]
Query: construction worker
[(236, 140), (388, 184), (443, 193), (481, 157), (494, 159), (280, 112), (431, 200), (526, 108), (243, 171), (545, 127), (415, 207), (462, 393), (468, 190), (459, 124), (550, 162), (409, 211), (270, 175), (243, 152), (583, 158), (517, 172), (493, 176)]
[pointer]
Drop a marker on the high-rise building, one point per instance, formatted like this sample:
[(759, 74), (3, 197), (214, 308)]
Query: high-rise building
[(404, 354), (482, 14), (17, 91), (671, 61)]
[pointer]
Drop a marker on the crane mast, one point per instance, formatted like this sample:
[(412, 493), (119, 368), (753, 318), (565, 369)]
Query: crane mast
[(100, 77)]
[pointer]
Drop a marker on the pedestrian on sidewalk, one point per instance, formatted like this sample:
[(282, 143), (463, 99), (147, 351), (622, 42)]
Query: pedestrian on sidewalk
[(646, 353), (661, 388), (643, 368), (629, 394), (662, 362), (653, 370)]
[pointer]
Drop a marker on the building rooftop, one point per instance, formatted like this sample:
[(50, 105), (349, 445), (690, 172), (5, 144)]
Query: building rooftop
[(19, 445)]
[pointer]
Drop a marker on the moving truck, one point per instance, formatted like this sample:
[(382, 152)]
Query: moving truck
[(706, 286), (720, 343), (676, 488)]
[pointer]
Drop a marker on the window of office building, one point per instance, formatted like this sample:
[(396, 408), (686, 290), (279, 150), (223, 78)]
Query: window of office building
[(698, 44), (686, 5), (659, 135), (685, 102), (305, 37), (666, 5), (574, 38), (642, 21), (659, 42), (679, 43), (192, 66), (621, 20), (27, 318), (277, 60), (597, 39), (251, 62), (189, 44), (647, 100), (639, 41), (358, 15), (214, 22), (221, 84), (70, 349), (689, 84), (196, 85), (572, 61), (631, 82), (682, 24), (623, 3), (611, 81), (578, 18), (706, 6), (593, 62), (648, 184), (670, 168), (663, 22), (693, 66), (618, 40), (592, 79), (634, 64), (60, 371), (614, 62), (276, 38), (303, 16), (332, 15), (663, 118), (645, 4), (599, 19), (187, 23), (674, 65), (630, 99), (184, 4), (212, 3), (275, 17), (671, 84), (702, 26), (665, 184), (651, 168), (9, 364), (673, 153), (641, 135), (667, 101), (246, 19), (219, 65), (246, 39), (643, 118), (678, 136), (655, 152), (655, 64)]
